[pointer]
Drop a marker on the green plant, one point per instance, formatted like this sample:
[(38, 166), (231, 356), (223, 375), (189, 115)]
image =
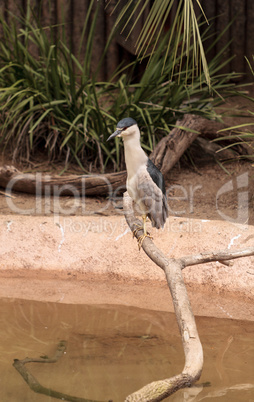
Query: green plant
[(185, 21), (49, 100), (241, 134)]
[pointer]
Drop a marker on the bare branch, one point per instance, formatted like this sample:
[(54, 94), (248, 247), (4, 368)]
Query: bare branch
[(159, 390), (222, 255)]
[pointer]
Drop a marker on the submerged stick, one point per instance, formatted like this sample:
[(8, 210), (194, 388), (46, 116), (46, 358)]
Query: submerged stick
[(34, 383)]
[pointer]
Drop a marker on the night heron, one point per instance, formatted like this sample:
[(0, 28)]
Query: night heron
[(145, 182)]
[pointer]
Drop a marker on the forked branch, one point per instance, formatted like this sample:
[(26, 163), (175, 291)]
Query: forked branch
[(159, 390)]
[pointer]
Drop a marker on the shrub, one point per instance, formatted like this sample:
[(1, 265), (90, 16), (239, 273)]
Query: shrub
[(51, 101)]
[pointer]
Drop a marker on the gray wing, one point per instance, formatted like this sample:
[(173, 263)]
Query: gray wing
[(153, 200)]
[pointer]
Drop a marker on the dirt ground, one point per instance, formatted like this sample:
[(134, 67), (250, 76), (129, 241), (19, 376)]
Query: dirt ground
[(75, 251), (191, 193)]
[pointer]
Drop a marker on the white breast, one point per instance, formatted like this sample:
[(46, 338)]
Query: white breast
[(133, 185)]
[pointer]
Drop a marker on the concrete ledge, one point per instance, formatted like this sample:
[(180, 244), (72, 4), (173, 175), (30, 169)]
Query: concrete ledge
[(95, 260)]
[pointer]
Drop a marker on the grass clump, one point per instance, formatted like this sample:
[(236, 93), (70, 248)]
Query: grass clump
[(241, 135), (50, 100)]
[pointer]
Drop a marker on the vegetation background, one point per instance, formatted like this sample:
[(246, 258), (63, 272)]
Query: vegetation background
[(68, 72)]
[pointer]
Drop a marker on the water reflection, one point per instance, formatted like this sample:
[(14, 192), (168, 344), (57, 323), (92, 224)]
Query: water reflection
[(113, 351)]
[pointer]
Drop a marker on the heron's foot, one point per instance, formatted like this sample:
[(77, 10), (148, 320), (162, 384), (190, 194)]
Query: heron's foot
[(142, 238), (144, 235), (139, 227)]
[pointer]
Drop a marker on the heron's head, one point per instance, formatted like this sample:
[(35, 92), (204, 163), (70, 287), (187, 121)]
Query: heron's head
[(125, 127)]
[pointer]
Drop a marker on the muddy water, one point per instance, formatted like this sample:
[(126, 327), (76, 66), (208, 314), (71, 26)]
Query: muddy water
[(112, 351)]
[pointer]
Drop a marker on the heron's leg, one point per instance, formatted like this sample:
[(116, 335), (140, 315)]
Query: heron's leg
[(140, 227), (143, 236)]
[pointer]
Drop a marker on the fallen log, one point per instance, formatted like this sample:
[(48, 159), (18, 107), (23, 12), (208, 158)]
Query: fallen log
[(170, 149), (76, 185)]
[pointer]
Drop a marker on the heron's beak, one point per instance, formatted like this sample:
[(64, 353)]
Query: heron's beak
[(115, 134)]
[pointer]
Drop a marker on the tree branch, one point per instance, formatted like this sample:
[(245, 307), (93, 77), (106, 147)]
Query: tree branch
[(157, 391), (221, 256)]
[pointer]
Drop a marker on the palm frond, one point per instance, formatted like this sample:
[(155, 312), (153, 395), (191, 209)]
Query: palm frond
[(191, 43)]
